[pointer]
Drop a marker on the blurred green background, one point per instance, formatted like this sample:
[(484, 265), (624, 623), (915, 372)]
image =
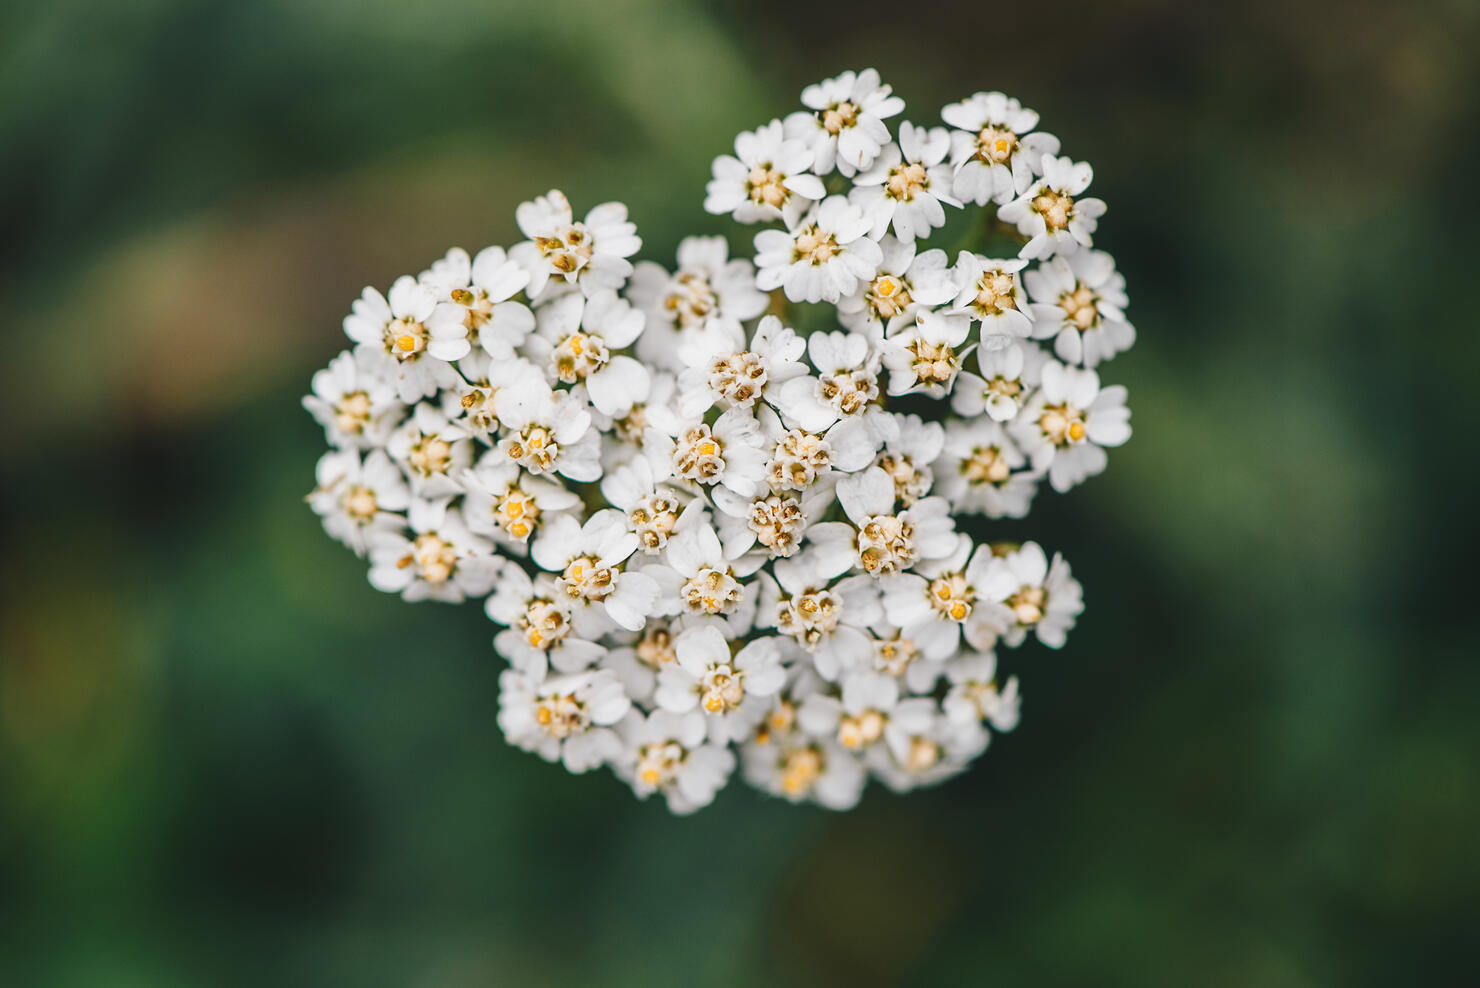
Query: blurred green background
[(225, 760)]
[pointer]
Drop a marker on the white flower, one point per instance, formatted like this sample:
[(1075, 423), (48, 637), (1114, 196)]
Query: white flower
[(924, 750), (432, 451), (994, 154), (709, 676), (1079, 302), (927, 356), (1006, 380), (625, 436), (548, 431), (637, 662), (992, 294), (847, 387), (358, 498), (945, 600), (728, 452), (592, 254), (767, 179), (588, 560), (578, 339), (473, 306), (826, 621), (823, 257), (654, 509), (665, 752), (538, 632), (775, 521), (974, 696), (397, 327), (442, 561), (876, 538), (1035, 596), (907, 184), (469, 404), (708, 284), (905, 283), (354, 399), (508, 505), (1054, 214), (1067, 423), (564, 718), (859, 718), (907, 456), (894, 653), (800, 459), (700, 581), (846, 128), (720, 369), (981, 470), (799, 768)]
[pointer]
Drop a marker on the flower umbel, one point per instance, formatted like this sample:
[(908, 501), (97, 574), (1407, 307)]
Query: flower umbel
[(716, 533)]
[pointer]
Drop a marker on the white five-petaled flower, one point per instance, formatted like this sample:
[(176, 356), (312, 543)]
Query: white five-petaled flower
[(720, 368), (946, 599), (357, 498), (994, 148), (432, 450), (1004, 381), (718, 680), (877, 538), (927, 356), (767, 179), (439, 559), (708, 284), (907, 455), (827, 620), (992, 294), (975, 697), (547, 431), (503, 502), (823, 257), (1079, 302), (473, 304), (908, 184), (1054, 214), (859, 716), (982, 470), (1065, 427), (396, 325), (578, 340), (701, 582), (727, 452), (845, 128), (667, 752), (469, 404), (564, 718), (538, 632), (799, 768), (1034, 595), (655, 509), (846, 386), (588, 560), (906, 282), (590, 253), (355, 400)]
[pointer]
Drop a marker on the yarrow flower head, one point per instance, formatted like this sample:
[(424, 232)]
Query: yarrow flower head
[(732, 518)]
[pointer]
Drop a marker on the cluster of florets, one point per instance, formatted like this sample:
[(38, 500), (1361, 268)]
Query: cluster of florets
[(705, 533)]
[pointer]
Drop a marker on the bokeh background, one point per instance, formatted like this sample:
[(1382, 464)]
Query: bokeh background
[(225, 760)]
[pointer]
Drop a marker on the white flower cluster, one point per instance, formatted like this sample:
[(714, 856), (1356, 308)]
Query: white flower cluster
[(705, 534)]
